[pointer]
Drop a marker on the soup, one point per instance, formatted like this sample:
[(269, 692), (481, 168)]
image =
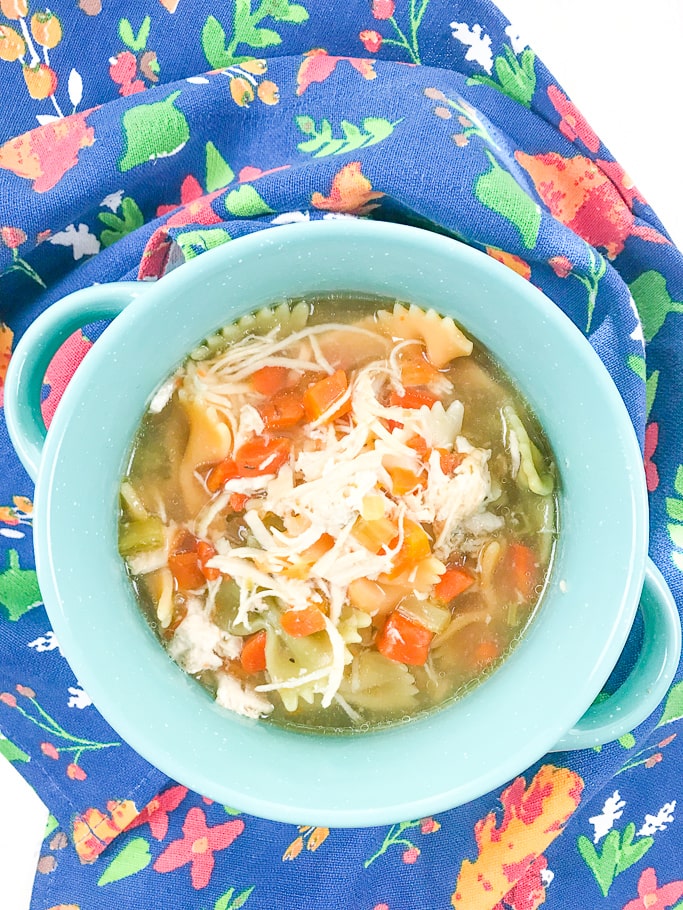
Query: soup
[(338, 514)]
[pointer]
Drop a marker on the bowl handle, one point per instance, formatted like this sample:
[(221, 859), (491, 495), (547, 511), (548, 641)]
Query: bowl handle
[(36, 349), (648, 681)]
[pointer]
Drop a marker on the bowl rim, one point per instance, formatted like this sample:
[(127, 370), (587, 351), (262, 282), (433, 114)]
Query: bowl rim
[(52, 492)]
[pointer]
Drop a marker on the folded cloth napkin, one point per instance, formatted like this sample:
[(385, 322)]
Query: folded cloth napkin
[(139, 136)]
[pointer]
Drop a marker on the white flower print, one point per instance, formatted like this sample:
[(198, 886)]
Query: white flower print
[(112, 201), (477, 40), (611, 811), (516, 41), (82, 242), (658, 822), (46, 642), (79, 698)]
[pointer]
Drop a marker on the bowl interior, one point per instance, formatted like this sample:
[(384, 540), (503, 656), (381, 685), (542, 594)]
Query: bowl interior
[(438, 761)]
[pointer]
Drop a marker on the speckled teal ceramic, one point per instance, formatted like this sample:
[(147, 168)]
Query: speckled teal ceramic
[(537, 701)]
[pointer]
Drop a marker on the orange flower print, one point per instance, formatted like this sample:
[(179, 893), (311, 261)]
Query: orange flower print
[(62, 367), (45, 154), (573, 124), (156, 811), (6, 338), (533, 817), (529, 892), (197, 846), (516, 263), (651, 897), (577, 193), (318, 65), (93, 830), (351, 192), (313, 837)]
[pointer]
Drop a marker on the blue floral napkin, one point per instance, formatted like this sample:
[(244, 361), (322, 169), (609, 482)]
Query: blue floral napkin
[(135, 137)]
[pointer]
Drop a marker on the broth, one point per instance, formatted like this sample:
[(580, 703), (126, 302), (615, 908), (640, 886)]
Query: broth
[(338, 514)]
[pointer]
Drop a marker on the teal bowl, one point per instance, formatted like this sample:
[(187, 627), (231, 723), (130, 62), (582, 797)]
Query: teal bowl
[(539, 700)]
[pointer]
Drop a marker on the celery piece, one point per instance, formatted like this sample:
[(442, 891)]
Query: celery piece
[(141, 536), (425, 613)]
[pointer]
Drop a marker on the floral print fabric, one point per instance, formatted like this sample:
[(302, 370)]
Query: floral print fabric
[(141, 135)]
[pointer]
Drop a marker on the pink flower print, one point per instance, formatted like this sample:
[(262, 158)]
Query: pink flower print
[(197, 846), (75, 772), (157, 810), (8, 699), (560, 265), (12, 237), (653, 760), (573, 124), (372, 40), (651, 441), (49, 750), (411, 855), (383, 9), (651, 897), (429, 825)]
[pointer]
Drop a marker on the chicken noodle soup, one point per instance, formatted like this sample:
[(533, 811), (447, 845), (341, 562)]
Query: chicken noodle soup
[(338, 514)]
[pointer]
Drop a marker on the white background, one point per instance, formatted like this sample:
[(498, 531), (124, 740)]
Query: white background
[(619, 62)]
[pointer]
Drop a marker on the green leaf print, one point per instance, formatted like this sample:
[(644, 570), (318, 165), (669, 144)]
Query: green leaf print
[(192, 243), (153, 131), (673, 710), (218, 171), (636, 362), (12, 752), (499, 191), (135, 43), (618, 853), (221, 52), (653, 301), (323, 143), (131, 219), (52, 823), (516, 78), (19, 591), (134, 857), (228, 902), (245, 202)]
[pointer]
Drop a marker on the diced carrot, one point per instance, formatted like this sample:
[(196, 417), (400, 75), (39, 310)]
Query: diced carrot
[(453, 582), (419, 444), (321, 396), (524, 564), (486, 651), (416, 369), (413, 398), (205, 552), (269, 380), (300, 566), (220, 473), (300, 623), (403, 480), (262, 455), (404, 641), (283, 410), (416, 546), (238, 501), (450, 460), (375, 533), (253, 655), (186, 570)]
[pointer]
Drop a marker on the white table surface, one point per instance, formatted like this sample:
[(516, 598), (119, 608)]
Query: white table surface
[(618, 61)]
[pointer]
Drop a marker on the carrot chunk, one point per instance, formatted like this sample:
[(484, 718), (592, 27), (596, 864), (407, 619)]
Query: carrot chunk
[(283, 410), (269, 380), (375, 533), (486, 651), (450, 460), (321, 396), (186, 570), (413, 398), (419, 444), (524, 565), (253, 656), (404, 641), (238, 501), (205, 552), (262, 455), (403, 480), (416, 368), (453, 582), (220, 473), (416, 546), (300, 623)]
